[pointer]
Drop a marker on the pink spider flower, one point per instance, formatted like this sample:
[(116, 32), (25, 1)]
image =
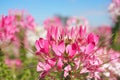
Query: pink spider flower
[(67, 50)]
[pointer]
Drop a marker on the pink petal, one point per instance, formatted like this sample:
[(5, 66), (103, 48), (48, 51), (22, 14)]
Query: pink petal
[(51, 62), (60, 64), (77, 63), (40, 67), (65, 74), (70, 49), (56, 50), (82, 31), (92, 38), (43, 74), (84, 70), (37, 45), (59, 49), (47, 67), (89, 48), (67, 68), (42, 45)]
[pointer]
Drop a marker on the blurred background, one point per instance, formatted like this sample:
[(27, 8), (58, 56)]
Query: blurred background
[(22, 22), (95, 11)]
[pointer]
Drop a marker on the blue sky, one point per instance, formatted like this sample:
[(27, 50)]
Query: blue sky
[(96, 11)]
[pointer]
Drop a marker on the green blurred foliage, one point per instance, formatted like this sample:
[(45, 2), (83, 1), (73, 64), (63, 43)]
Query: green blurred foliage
[(116, 35), (27, 72)]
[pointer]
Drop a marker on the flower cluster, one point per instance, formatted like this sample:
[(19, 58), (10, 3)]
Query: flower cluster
[(68, 50), (13, 23), (13, 35), (114, 9), (111, 64), (7, 28)]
